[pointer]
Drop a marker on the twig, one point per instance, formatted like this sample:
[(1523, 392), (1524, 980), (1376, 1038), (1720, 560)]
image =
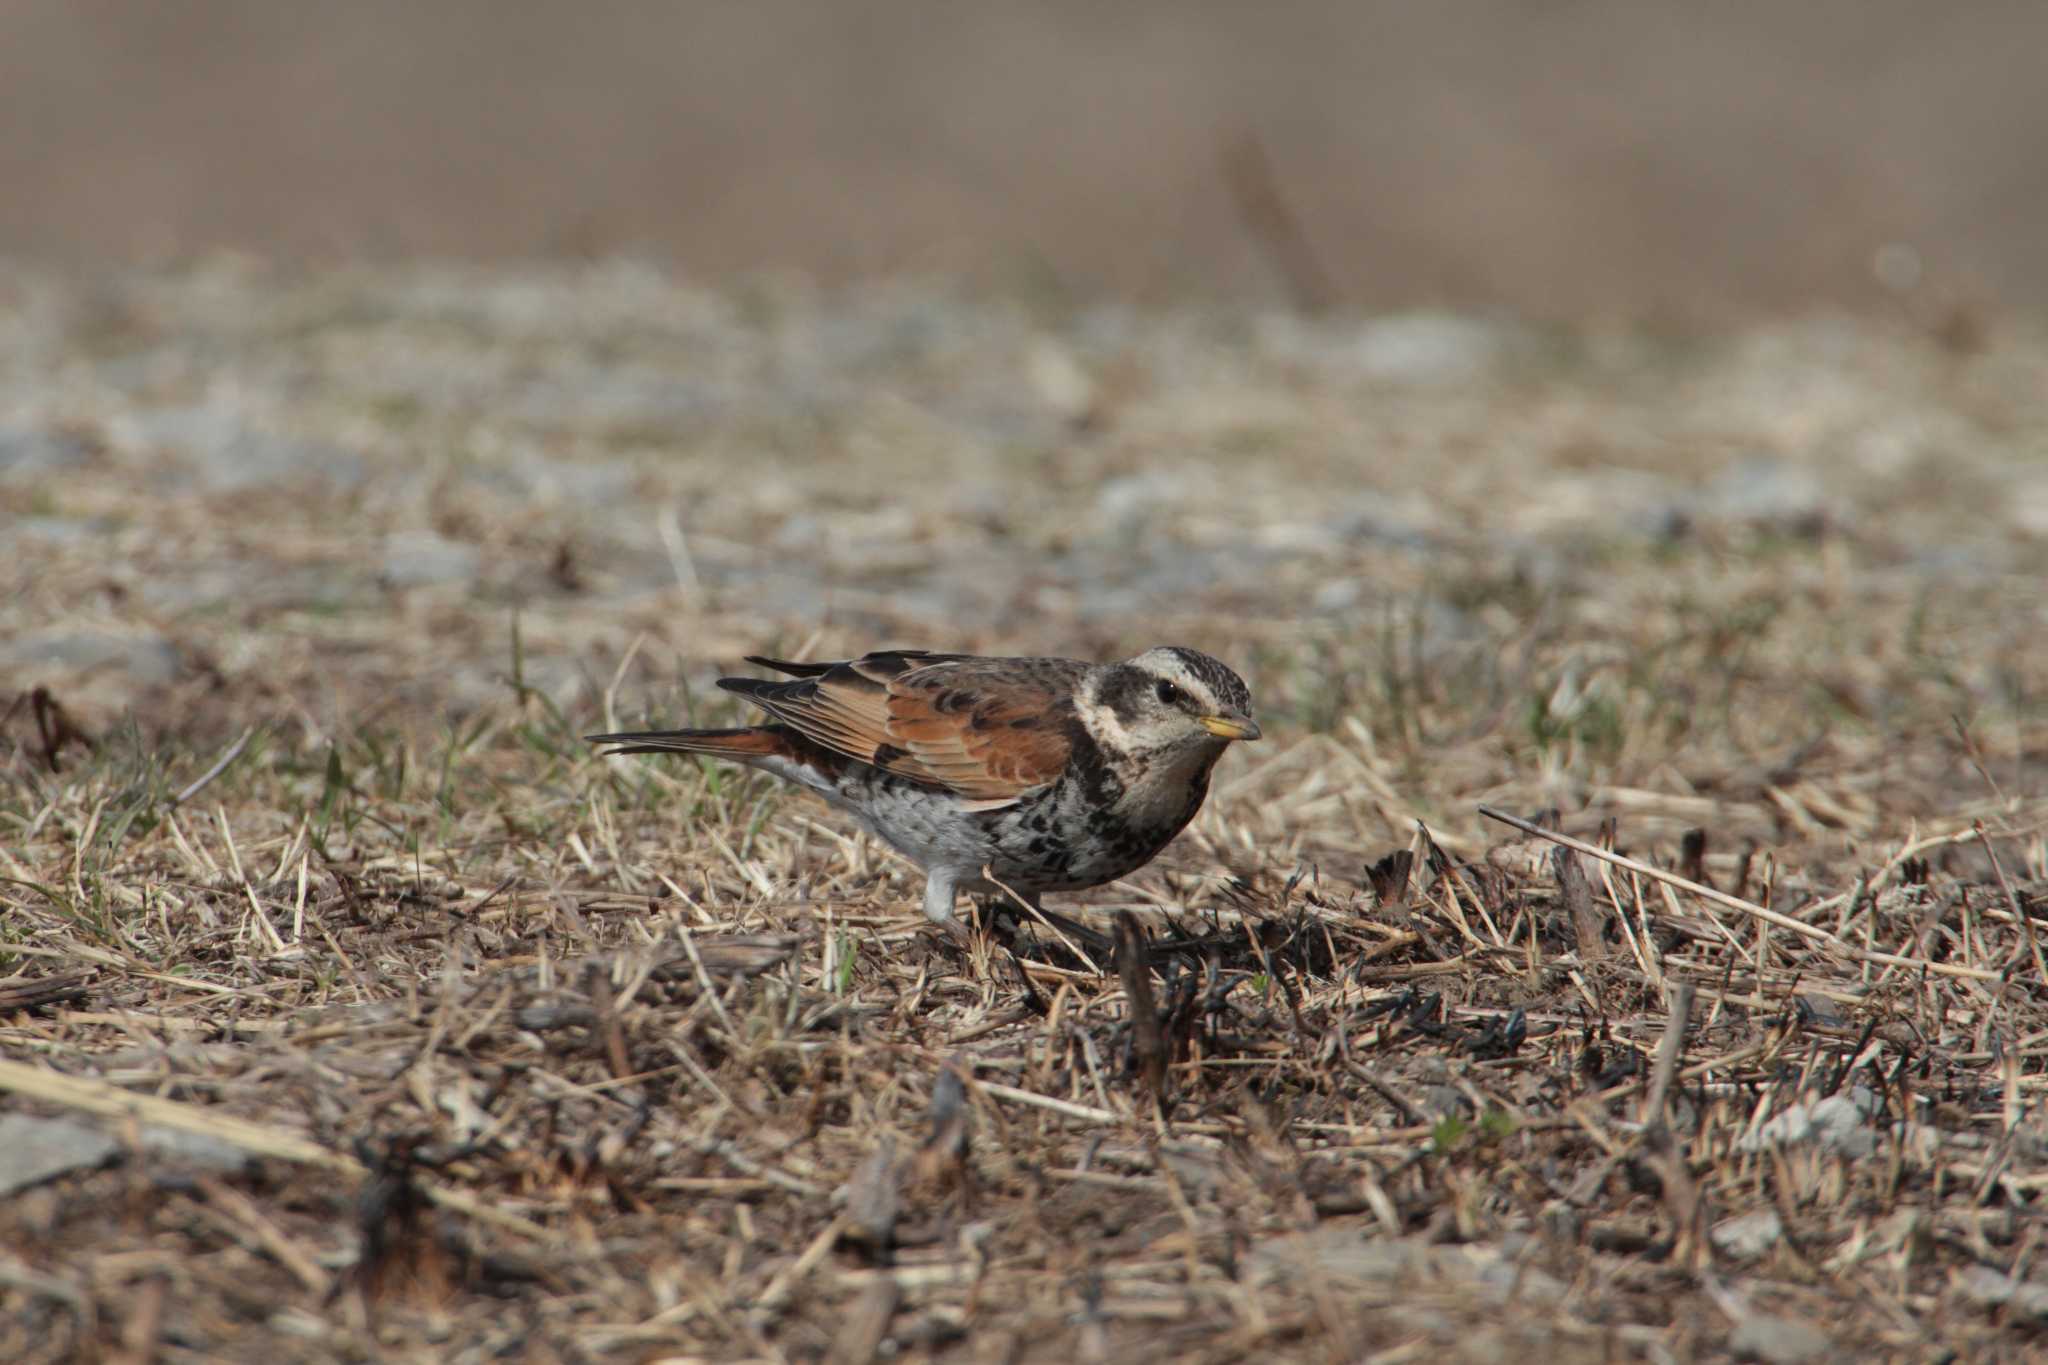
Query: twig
[(611, 690), (1768, 916), (220, 765), (1409, 1110), (778, 1291), (1578, 900), (988, 875), (1148, 1041), (2019, 907), (54, 726), (704, 981), (100, 1097), (1669, 1049), (142, 1336), (677, 547), (240, 1208), (1031, 1097), (730, 1153)]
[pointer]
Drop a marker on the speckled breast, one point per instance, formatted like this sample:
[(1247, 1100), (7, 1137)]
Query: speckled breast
[(1065, 838)]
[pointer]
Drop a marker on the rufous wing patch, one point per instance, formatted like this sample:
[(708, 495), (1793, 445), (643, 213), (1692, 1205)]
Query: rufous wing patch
[(989, 738), (973, 726)]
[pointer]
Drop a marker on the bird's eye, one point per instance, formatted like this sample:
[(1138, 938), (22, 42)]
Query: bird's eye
[(1169, 694)]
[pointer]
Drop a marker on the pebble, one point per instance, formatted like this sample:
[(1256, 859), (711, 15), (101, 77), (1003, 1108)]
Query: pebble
[(1989, 1288), (26, 452), (418, 559), (1749, 1236), (33, 1150), (145, 658), (1776, 1340), (228, 455), (1765, 491), (1839, 1123), (1337, 1253)]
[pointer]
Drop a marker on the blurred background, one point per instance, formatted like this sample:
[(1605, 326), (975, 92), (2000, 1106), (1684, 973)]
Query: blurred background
[(1554, 158), (1472, 374)]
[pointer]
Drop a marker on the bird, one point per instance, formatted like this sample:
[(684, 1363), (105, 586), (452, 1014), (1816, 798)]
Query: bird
[(1024, 775)]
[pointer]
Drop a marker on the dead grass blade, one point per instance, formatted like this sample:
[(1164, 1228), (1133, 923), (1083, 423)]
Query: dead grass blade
[(1707, 893)]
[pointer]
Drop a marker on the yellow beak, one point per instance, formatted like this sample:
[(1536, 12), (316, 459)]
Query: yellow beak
[(1231, 726)]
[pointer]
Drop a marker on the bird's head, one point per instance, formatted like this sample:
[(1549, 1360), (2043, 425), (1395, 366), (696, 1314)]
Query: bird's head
[(1166, 700)]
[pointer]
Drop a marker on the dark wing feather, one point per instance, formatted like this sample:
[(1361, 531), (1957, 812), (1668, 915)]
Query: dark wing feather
[(801, 669)]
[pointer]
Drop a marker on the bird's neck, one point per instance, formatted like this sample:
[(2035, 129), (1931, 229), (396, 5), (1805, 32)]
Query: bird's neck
[(1163, 788)]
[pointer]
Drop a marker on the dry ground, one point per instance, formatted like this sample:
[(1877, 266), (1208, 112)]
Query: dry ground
[(408, 1029)]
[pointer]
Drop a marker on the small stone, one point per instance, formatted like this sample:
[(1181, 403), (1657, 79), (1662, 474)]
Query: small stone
[(1822, 1012), (1562, 1223), (1427, 349), (145, 658), (193, 1151), (229, 455), (1749, 1236), (416, 559), (1838, 1122), (1508, 1282), (1130, 501), (26, 453), (1989, 1288), (1765, 491), (61, 530), (33, 1150), (2027, 504), (1058, 379), (1779, 1341), (1838, 1125), (1446, 1102), (536, 478), (874, 1196), (1336, 1254)]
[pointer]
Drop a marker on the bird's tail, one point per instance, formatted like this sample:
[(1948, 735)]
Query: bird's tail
[(750, 745), (793, 669)]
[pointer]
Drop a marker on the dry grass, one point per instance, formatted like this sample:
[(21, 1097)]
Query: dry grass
[(539, 1056)]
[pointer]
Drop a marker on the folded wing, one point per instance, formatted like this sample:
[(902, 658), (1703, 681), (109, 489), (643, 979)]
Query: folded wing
[(989, 729)]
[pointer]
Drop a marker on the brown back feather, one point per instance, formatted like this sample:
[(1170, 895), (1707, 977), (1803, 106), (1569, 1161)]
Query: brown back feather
[(989, 729)]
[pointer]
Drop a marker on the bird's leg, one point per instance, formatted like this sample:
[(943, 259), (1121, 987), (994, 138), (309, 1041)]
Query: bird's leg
[(940, 889)]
